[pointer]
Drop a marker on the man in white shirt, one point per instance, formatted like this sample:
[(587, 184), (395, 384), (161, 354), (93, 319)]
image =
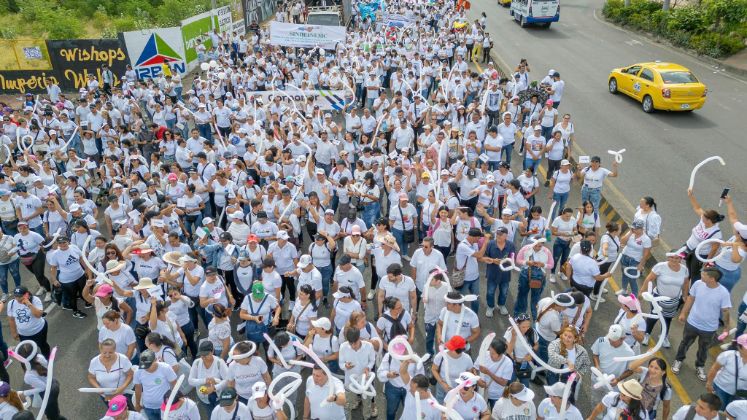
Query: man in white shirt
[(708, 301), (423, 261), (556, 90), (467, 255), (356, 359), (706, 408), (317, 390), (604, 352)]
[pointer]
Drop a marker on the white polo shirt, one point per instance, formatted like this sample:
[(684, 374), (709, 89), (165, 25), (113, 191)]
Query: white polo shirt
[(316, 394)]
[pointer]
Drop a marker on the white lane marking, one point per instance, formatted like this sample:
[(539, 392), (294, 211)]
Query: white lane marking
[(690, 57), (634, 42)]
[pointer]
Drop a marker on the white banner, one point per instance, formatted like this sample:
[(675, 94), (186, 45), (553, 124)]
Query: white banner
[(328, 100), (306, 36), (224, 18), (238, 27)]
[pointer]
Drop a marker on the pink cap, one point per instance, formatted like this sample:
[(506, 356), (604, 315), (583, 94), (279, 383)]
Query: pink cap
[(117, 406), (104, 290), (629, 301), (172, 177), (742, 340), (549, 102), (402, 196), (356, 230)]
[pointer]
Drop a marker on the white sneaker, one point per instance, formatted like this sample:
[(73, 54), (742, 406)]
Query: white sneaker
[(406, 257), (552, 278), (563, 277), (503, 309), (701, 373), (489, 313), (48, 297), (645, 339), (676, 366), (41, 290), (370, 295), (666, 344)]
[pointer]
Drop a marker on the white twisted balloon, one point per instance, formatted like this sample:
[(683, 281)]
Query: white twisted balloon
[(508, 264), (364, 387), (322, 365), (409, 353), (250, 353), (24, 360), (656, 309), (698, 166), (604, 282), (50, 375), (566, 395), (97, 390), (280, 356), (281, 398), (536, 358), (483, 359), (54, 238), (618, 155), (430, 279), (707, 242), (170, 401), (603, 379)]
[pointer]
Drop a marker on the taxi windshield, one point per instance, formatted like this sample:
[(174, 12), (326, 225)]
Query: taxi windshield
[(673, 77)]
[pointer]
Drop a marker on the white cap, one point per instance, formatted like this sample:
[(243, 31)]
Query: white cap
[(283, 235), (237, 215), (565, 162), (551, 72), (615, 332), (507, 212), (490, 178), (339, 294), (207, 220), (304, 261), (157, 223), (525, 394), (556, 390), (319, 171), (538, 127), (259, 389), (74, 207), (323, 323)]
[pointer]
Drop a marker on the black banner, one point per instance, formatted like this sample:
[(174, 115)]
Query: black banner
[(257, 11), (25, 81), (73, 60)]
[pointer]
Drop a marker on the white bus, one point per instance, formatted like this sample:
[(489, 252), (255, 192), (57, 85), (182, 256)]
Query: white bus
[(541, 12)]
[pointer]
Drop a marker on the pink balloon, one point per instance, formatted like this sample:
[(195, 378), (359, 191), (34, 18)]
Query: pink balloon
[(398, 349)]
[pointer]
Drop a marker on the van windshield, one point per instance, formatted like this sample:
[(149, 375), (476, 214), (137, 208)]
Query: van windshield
[(675, 77)]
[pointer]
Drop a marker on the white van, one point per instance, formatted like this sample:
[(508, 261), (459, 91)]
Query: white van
[(542, 12)]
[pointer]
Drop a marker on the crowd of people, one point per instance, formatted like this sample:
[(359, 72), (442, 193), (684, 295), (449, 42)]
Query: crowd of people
[(251, 260)]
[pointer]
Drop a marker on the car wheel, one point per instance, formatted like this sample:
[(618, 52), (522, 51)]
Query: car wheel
[(648, 104), (613, 86), (546, 25)]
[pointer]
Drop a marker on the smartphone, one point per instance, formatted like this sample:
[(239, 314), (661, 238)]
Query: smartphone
[(725, 193)]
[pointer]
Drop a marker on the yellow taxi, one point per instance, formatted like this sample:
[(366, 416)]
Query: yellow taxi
[(659, 86), (504, 3)]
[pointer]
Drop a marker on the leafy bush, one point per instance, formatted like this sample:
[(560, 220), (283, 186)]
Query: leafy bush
[(718, 28)]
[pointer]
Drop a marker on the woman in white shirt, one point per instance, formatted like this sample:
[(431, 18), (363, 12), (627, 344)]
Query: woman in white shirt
[(608, 251), (518, 351), (707, 228), (560, 187), (636, 250), (670, 279), (515, 403), (549, 408), (303, 312), (110, 370), (563, 229), (646, 211), (219, 331), (728, 375), (208, 375)]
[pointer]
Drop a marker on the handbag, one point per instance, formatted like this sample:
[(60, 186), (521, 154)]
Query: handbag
[(456, 279), (432, 379), (27, 259), (409, 234), (535, 283)]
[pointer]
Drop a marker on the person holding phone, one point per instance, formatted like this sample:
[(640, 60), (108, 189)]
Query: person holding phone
[(26, 319)]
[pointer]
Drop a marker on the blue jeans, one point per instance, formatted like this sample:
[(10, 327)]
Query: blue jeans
[(152, 413), (498, 281), (724, 396), (532, 164), (592, 194), (508, 150), (560, 251), (430, 338), (205, 131), (741, 326), (326, 278), (547, 132), (524, 292), (394, 398), (728, 278), (561, 199), (371, 212), (524, 381), (626, 262), (472, 288), (399, 235), (14, 268), (191, 226)]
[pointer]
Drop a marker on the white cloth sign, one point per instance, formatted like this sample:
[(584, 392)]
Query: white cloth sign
[(306, 36), (328, 100)]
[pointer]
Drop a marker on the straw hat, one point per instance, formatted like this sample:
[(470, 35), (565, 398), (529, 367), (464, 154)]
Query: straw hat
[(173, 258), (144, 283), (631, 388)]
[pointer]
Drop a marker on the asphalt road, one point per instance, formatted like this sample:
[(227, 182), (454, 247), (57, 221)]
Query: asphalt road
[(662, 148)]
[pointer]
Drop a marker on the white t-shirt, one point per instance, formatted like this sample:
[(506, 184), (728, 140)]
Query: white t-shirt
[(700, 233), (607, 353), (584, 269), (425, 263), (68, 264), (428, 411), (220, 413), (635, 247), (26, 323), (729, 360), (154, 384), (547, 411), (706, 310), (669, 282), (401, 290), (465, 260), (737, 409), (504, 409), (502, 368), (456, 366), (471, 409), (595, 179), (115, 376), (124, 337), (469, 322), (246, 375), (681, 414), (316, 394)]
